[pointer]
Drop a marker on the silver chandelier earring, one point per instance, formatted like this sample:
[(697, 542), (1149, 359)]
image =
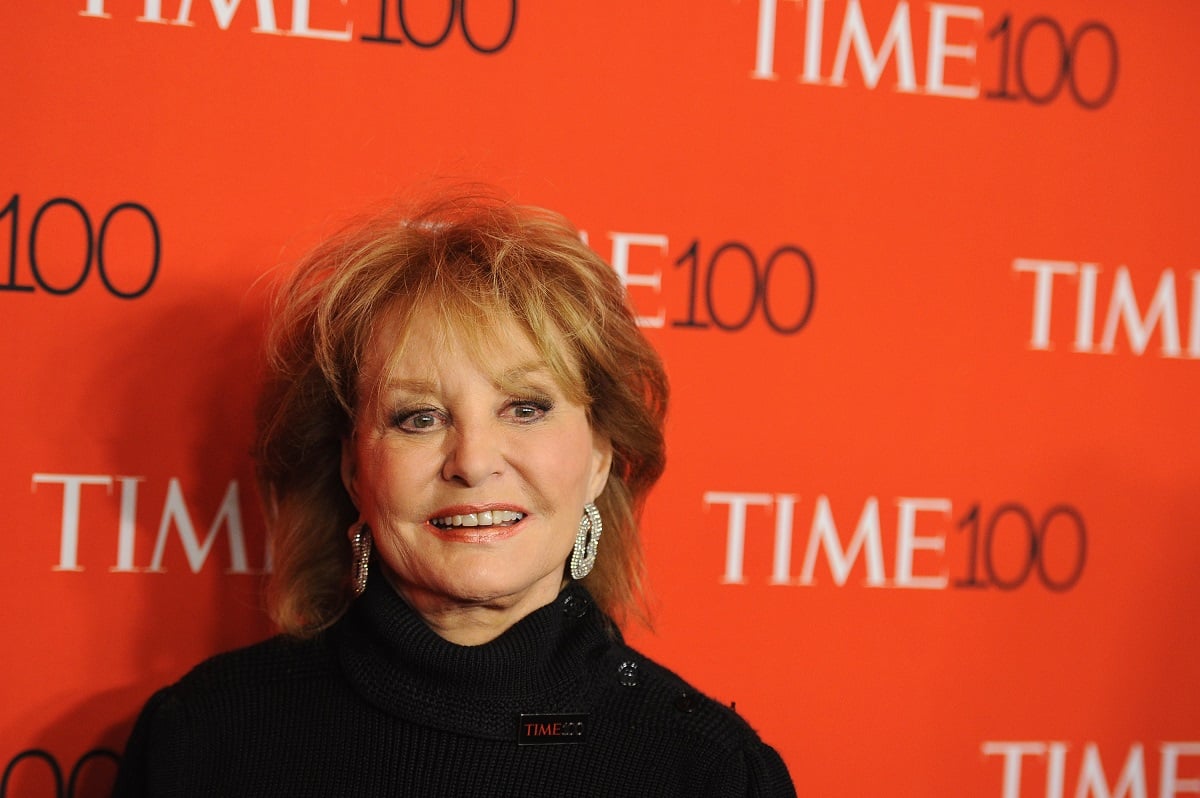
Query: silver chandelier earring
[(583, 557), (360, 558)]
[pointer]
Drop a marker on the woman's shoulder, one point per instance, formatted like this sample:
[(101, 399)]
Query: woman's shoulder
[(659, 694), (275, 669), (659, 702), (280, 670), (278, 659), (253, 694)]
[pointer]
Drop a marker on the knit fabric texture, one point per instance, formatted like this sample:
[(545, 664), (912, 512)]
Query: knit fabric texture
[(380, 705)]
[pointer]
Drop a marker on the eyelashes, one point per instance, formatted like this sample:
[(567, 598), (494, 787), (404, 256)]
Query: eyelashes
[(520, 410), (420, 419), (530, 408)]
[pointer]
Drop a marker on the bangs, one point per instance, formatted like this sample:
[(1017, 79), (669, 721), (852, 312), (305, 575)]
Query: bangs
[(482, 320)]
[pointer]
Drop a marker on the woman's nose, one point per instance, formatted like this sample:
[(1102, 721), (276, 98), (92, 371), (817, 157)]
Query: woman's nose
[(474, 453)]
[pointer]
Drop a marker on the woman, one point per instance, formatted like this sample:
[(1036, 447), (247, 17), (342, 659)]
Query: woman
[(460, 425)]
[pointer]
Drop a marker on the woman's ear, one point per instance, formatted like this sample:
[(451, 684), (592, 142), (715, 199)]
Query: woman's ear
[(601, 464), (350, 468)]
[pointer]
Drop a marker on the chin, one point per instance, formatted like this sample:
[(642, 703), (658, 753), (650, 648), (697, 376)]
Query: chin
[(493, 588)]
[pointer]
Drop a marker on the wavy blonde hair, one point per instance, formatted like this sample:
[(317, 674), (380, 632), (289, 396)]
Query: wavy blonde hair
[(468, 258)]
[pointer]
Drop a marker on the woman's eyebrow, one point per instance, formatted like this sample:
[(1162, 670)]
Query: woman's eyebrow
[(524, 369), (409, 385), (531, 371)]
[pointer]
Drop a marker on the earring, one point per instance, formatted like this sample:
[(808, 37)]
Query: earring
[(583, 556), (360, 558)]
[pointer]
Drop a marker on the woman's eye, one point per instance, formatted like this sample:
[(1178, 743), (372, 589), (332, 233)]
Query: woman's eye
[(528, 410), (418, 421)]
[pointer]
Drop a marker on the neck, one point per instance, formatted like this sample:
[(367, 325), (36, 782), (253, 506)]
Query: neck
[(473, 622)]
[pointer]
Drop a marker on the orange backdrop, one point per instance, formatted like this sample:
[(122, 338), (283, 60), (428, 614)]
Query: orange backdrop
[(924, 275)]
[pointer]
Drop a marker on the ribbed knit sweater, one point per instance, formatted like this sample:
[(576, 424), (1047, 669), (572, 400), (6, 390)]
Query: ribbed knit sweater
[(380, 705)]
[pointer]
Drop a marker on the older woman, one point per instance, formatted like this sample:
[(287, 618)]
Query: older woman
[(460, 425)]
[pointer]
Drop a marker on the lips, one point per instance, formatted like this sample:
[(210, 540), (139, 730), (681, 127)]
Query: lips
[(477, 525), (477, 519)]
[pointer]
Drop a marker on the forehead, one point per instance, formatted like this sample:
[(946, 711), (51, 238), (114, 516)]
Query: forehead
[(407, 346), (418, 343)]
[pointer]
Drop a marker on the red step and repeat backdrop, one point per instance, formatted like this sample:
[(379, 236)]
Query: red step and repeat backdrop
[(926, 278)]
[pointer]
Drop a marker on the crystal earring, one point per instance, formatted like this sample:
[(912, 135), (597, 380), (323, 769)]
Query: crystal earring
[(360, 559), (583, 556)]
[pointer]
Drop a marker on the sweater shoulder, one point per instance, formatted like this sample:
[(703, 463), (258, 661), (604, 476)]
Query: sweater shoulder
[(229, 709), (710, 738), (659, 694), (276, 660)]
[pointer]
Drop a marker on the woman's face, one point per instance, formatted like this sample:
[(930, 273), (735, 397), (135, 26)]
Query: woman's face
[(472, 473)]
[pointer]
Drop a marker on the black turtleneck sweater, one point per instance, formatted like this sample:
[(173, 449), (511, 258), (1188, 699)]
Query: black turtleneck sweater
[(380, 705)]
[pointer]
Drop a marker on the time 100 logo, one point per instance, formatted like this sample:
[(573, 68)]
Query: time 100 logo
[(728, 285), (63, 241), (485, 27)]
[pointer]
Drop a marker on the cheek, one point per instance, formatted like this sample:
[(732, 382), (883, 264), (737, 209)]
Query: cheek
[(386, 478), (571, 470)]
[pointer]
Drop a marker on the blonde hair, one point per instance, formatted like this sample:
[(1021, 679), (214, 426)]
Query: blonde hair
[(466, 259)]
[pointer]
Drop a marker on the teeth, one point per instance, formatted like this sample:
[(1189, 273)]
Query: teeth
[(485, 518)]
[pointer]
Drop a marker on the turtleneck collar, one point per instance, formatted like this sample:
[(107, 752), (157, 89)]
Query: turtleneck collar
[(546, 662)]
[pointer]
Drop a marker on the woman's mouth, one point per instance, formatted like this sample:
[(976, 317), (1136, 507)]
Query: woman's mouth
[(480, 526), (485, 518)]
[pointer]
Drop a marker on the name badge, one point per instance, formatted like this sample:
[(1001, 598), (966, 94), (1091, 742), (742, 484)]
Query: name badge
[(562, 729)]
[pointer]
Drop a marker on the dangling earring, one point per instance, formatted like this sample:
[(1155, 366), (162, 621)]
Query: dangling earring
[(360, 557), (583, 557)]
